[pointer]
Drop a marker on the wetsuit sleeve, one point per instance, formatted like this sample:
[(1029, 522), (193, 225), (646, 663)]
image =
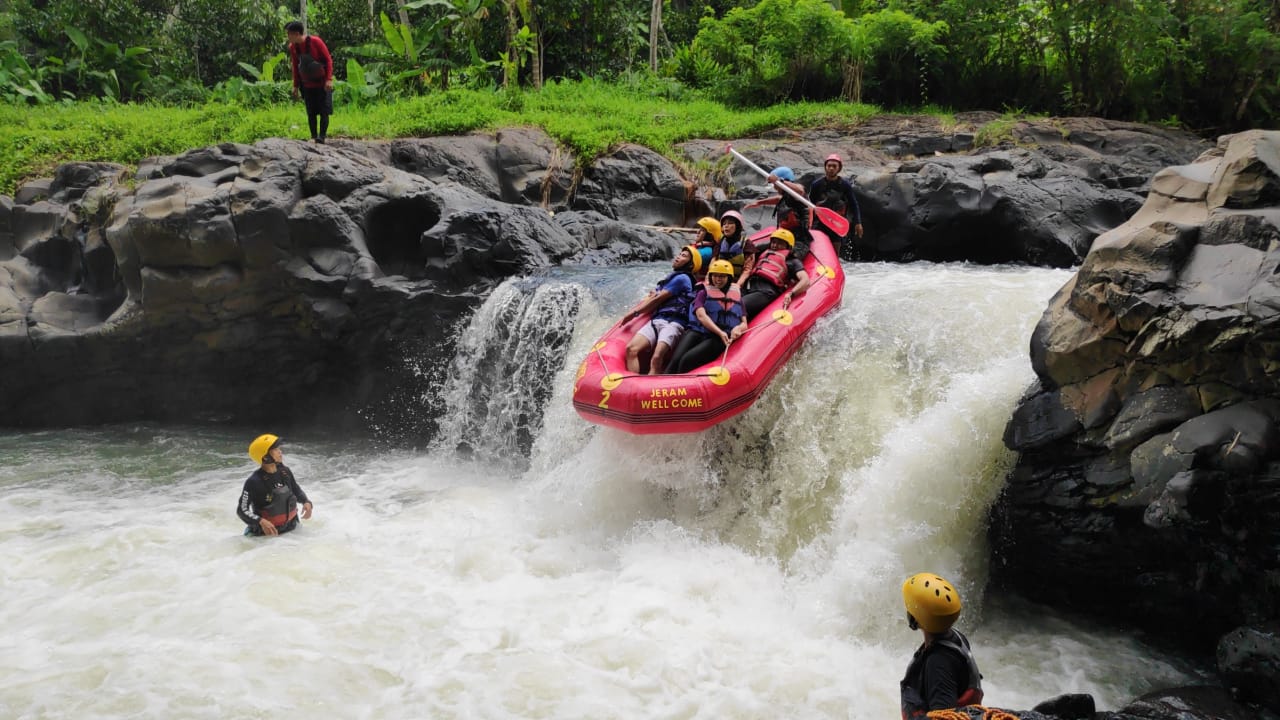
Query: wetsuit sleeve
[(245, 507), (943, 675), (855, 212), (794, 268), (297, 491)]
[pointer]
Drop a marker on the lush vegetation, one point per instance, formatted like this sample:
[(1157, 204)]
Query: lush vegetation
[(165, 75), (586, 116)]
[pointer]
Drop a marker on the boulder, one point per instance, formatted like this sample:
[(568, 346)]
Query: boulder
[(324, 279), (236, 280), (1150, 446)]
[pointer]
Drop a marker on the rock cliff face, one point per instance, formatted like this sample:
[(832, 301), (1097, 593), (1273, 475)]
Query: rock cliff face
[(284, 281), (1149, 480), (273, 281)]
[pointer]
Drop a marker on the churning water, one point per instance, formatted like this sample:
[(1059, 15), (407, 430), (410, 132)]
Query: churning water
[(531, 565)]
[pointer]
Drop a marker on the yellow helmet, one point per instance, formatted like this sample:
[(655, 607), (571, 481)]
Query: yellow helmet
[(932, 601), (696, 255), (721, 267), (712, 226), (785, 236), (260, 445)]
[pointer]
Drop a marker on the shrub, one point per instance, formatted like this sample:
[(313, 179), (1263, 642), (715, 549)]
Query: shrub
[(779, 50)]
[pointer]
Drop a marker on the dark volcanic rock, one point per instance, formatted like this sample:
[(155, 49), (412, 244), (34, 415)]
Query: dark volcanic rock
[(1150, 467), (234, 281), (246, 282), (1041, 201)]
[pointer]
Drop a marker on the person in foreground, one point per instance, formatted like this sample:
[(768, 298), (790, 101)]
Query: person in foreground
[(771, 273), (269, 501), (312, 77), (716, 318), (669, 303), (942, 674)]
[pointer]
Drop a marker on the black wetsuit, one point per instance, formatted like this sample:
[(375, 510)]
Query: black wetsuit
[(941, 676), (273, 495), (837, 195)]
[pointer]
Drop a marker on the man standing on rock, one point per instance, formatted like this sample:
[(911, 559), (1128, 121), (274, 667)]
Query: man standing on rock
[(312, 76), (834, 192)]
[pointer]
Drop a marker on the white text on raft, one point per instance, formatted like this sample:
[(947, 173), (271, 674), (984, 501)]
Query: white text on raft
[(669, 399)]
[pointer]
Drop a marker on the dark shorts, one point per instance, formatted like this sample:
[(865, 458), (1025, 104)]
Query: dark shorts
[(319, 101)]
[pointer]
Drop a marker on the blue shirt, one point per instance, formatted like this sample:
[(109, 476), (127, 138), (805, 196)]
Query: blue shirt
[(680, 285)]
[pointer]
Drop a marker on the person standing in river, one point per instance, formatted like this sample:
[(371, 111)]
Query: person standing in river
[(269, 502), (312, 77)]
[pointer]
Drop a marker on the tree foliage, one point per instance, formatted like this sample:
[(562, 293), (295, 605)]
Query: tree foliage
[(1213, 65), (760, 50)]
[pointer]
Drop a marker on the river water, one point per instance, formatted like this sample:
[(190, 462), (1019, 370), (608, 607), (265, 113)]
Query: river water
[(527, 564)]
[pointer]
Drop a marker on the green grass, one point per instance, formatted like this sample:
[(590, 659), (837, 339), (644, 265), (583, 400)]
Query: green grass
[(587, 117)]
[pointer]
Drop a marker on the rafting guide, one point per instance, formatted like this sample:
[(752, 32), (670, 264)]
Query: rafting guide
[(269, 502)]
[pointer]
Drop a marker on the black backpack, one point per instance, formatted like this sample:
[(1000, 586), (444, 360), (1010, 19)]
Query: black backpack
[(309, 68)]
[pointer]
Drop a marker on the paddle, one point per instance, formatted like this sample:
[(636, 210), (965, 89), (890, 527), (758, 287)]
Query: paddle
[(829, 217)]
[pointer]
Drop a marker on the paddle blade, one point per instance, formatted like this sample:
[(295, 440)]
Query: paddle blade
[(838, 223)]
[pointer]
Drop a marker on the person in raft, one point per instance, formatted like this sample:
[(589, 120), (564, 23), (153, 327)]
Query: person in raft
[(732, 245), (669, 303), (269, 502), (716, 318), (942, 674), (708, 238), (792, 214), (773, 271)]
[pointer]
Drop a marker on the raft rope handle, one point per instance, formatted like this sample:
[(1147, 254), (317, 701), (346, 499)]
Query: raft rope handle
[(603, 364), (767, 323), (725, 356)]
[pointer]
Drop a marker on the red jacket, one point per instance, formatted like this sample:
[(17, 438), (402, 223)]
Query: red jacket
[(317, 49)]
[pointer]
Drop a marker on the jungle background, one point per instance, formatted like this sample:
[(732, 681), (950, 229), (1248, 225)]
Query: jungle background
[(197, 71)]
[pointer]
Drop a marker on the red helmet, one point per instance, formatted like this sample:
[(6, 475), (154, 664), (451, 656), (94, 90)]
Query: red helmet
[(836, 158)]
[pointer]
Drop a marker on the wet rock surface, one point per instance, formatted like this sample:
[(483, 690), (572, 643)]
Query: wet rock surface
[(1149, 477), (243, 282)]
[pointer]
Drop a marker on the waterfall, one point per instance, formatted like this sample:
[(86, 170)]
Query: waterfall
[(500, 377)]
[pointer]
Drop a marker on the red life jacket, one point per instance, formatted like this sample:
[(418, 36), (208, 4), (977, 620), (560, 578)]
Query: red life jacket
[(772, 266)]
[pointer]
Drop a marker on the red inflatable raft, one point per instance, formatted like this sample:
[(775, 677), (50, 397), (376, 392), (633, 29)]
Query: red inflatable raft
[(605, 393)]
